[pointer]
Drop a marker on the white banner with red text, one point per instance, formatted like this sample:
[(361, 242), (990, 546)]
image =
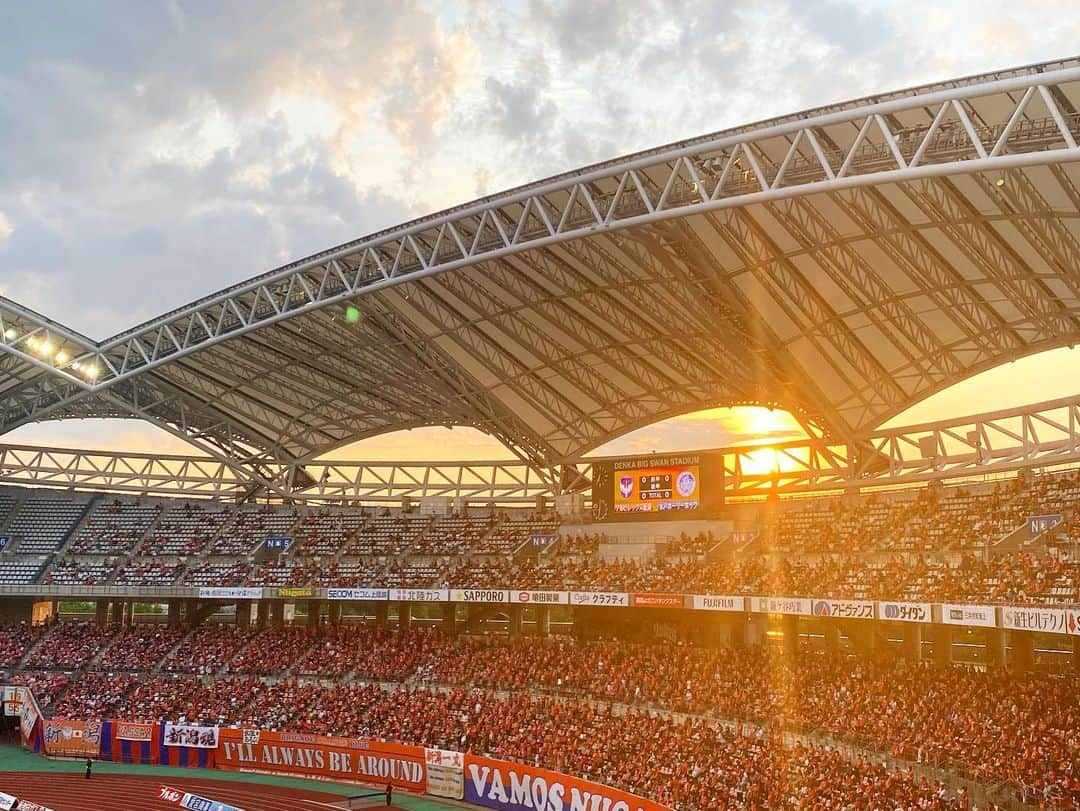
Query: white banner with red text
[(445, 773)]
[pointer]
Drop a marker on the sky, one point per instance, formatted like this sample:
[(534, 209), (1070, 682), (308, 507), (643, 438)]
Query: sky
[(157, 152)]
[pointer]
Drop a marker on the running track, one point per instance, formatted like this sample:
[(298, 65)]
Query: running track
[(137, 792)]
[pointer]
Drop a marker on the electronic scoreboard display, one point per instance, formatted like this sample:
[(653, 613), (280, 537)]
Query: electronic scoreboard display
[(657, 487)]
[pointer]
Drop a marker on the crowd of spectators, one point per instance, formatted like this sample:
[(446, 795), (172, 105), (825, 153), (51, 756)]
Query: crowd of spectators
[(207, 649), (589, 707), (140, 647), (46, 686), (114, 528), (148, 573), (15, 641), (272, 651), (1024, 577), (79, 573), (69, 646)]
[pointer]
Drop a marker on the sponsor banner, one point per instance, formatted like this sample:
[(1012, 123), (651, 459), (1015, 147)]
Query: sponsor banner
[(599, 598), (517, 787), (781, 605), (712, 602), (68, 738), (357, 594), (445, 773), (230, 593), (905, 612), (541, 542), (446, 781), (844, 609), (982, 616), (1072, 621), (192, 801), (7, 802), (193, 737), (295, 591), (26, 805), (133, 732), (420, 595), (479, 595), (28, 714), (1038, 524), (540, 597), (657, 600), (324, 758), (1048, 620)]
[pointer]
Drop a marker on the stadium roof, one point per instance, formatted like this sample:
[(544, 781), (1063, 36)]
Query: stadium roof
[(843, 263)]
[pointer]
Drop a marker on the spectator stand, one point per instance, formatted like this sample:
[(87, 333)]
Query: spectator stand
[(45, 520), (250, 528)]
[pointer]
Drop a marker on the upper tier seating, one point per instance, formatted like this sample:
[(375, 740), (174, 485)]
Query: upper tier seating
[(186, 529), (387, 535), (114, 528), (251, 527), (324, 534), (15, 571), (44, 520)]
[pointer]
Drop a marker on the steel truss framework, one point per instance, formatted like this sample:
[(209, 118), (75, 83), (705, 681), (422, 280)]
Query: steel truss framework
[(843, 264), (1042, 435)]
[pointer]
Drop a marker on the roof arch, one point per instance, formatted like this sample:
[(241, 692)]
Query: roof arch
[(841, 263)]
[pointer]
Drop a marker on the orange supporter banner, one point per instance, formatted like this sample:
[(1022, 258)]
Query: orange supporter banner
[(322, 757), (517, 787), (67, 738)]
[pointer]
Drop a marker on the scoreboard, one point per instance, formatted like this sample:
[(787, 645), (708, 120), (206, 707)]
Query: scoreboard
[(658, 487)]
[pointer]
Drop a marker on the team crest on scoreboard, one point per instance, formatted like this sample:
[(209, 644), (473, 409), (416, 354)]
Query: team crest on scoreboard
[(626, 486)]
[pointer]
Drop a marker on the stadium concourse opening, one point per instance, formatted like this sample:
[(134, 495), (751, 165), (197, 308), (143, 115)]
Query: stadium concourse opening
[(871, 614)]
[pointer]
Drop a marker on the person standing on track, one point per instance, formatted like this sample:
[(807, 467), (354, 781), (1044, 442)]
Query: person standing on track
[(389, 793), (89, 764)]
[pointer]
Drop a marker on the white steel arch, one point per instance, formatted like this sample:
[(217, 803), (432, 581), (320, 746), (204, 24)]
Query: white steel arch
[(966, 194)]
